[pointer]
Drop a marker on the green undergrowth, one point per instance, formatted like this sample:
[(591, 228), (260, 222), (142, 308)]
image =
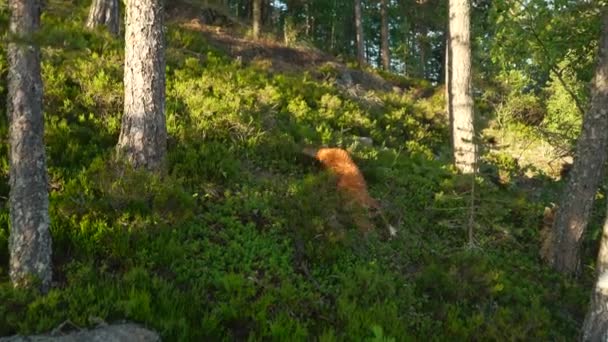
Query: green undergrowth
[(244, 237)]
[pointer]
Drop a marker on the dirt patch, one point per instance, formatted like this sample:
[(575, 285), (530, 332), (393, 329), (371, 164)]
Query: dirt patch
[(249, 50), (226, 34)]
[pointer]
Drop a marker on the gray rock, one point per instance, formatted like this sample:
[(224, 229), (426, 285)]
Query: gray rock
[(366, 141), (109, 333)]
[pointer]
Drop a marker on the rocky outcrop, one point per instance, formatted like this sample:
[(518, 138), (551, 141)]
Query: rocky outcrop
[(127, 332)]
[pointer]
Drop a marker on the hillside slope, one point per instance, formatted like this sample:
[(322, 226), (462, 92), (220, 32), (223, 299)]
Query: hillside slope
[(244, 237)]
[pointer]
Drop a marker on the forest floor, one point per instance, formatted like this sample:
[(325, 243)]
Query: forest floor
[(532, 151), (245, 237)]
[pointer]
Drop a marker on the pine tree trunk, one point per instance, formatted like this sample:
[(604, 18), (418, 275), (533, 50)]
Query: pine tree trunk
[(247, 9), (332, 39), (332, 36), (423, 50), (577, 201), (460, 88), (306, 19), (267, 9), (448, 84), (312, 28), (30, 239), (143, 136), (385, 50), (257, 18), (105, 12), (442, 67), (407, 48), (359, 33), (595, 327)]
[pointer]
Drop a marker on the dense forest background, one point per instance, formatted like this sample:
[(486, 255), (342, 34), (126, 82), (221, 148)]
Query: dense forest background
[(243, 236)]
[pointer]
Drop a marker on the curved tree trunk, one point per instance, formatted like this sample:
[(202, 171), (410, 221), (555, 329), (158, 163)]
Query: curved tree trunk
[(359, 33), (595, 327), (460, 88), (105, 12), (30, 239), (577, 201), (143, 135), (385, 50), (257, 18)]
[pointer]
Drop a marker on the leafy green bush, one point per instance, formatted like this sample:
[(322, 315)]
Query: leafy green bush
[(563, 116), (521, 108)]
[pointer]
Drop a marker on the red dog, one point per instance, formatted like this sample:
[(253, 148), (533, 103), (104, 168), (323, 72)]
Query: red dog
[(350, 182)]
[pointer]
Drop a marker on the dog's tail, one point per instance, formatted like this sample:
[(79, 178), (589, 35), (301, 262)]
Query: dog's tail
[(392, 231)]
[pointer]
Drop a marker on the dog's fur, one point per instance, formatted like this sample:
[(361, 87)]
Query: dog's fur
[(350, 183)]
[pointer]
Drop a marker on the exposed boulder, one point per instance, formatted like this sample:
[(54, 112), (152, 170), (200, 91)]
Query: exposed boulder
[(127, 332)]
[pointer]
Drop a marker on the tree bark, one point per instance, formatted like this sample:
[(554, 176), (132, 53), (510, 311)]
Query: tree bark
[(407, 46), (266, 12), (385, 50), (332, 36), (143, 135), (307, 20), (424, 48), (257, 18), (105, 12), (461, 99), (575, 208), (448, 83), (595, 327), (30, 239), (359, 33)]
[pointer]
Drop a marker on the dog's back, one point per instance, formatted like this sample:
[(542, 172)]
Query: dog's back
[(350, 178), (350, 182)]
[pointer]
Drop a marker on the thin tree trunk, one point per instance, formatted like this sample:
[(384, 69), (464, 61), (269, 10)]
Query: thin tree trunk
[(575, 208), (266, 11), (306, 19), (332, 39), (143, 136), (406, 49), (359, 33), (30, 239), (348, 34), (105, 12), (385, 50), (257, 18), (460, 88), (248, 9), (422, 46), (312, 27)]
